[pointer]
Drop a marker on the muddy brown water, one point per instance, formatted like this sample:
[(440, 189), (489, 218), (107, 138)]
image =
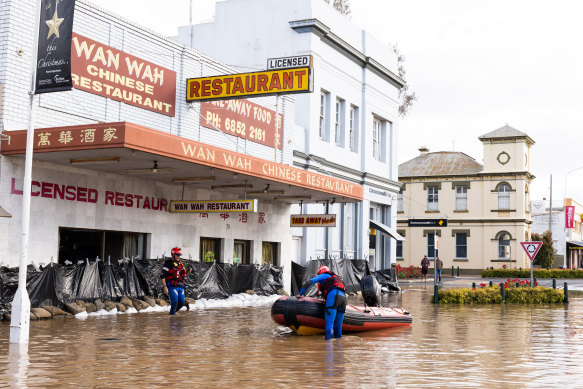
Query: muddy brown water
[(447, 346)]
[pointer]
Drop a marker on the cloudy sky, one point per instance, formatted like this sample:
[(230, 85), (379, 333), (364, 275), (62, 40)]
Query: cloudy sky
[(475, 66)]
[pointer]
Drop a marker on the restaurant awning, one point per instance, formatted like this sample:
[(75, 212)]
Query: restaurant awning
[(387, 230), (129, 149), (4, 213), (574, 245)]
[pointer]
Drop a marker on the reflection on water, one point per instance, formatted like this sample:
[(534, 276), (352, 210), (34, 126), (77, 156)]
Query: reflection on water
[(447, 346)]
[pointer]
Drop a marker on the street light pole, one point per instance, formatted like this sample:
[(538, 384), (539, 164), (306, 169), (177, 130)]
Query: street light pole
[(564, 209)]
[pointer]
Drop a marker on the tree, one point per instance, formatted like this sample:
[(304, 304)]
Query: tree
[(544, 257), (406, 99), (342, 6)]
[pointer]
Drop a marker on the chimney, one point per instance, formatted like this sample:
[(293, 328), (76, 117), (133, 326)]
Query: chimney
[(423, 150)]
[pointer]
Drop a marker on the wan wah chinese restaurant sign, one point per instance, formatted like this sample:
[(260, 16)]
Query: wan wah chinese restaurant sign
[(214, 206), (243, 119), (135, 137), (105, 71), (313, 220)]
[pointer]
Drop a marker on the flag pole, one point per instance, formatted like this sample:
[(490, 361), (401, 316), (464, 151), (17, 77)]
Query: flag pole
[(20, 315)]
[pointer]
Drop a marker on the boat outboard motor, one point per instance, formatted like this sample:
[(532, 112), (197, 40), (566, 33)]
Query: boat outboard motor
[(371, 291)]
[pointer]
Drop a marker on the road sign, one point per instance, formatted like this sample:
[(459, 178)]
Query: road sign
[(428, 222), (531, 248)]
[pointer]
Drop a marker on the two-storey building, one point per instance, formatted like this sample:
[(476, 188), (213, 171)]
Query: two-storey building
[(486, 206), (347, 128)]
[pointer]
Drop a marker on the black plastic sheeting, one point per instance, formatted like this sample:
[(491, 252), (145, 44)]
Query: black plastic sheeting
[(90, 280), (352, 272)]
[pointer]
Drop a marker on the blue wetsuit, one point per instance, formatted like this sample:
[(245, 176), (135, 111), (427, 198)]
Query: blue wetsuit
[(173, 273), (335, 306)]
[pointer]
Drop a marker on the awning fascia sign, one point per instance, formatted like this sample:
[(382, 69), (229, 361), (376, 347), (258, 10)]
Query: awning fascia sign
[(386, 230), (218, 206), (135, 137), (313, 220)]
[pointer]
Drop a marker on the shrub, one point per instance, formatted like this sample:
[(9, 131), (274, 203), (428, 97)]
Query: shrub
[(491, 295), (538, 273), (408, 272)]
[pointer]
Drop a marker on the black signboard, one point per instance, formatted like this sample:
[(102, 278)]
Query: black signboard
[(53, 66), (427, 222)]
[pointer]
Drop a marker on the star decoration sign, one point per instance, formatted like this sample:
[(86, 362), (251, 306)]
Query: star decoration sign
[(54, 23)]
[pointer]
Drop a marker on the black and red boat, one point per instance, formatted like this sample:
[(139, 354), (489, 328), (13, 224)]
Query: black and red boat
[(305, 316)]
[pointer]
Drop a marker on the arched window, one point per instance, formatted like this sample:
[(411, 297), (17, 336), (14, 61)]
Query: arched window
[(503, 196), (503, 245)]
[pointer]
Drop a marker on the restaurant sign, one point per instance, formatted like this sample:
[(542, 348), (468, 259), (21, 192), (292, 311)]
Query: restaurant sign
[(243, 119), (108, 72), (284, 81), (213, 206), (325, 220)]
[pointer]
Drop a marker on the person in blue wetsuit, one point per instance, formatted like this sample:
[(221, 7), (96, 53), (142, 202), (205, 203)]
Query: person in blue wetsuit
[(173, 273), (332, 288)]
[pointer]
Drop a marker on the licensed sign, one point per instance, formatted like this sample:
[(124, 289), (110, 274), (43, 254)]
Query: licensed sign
[(213, 206), (289, 62), (325, 220), (428, 222), (297, 80), (531, 248), (243, 119)]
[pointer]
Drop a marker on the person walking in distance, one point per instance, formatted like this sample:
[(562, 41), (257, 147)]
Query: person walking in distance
[(438, 267), (173, 273), (424, 267)]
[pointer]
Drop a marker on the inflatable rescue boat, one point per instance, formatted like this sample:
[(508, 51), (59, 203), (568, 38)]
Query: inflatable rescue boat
[(305, 315)]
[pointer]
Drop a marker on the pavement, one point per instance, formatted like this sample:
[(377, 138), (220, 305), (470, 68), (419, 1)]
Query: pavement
[(467, 281)]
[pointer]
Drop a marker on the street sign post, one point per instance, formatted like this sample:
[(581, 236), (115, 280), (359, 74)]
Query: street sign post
[(531, 249), (435, 222)]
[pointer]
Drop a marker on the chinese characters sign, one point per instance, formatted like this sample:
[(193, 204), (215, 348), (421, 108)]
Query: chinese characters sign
[(243, 119), (99, 134), (221, 207), (107, 72)]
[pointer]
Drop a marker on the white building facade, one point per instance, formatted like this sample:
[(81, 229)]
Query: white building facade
[(346, 128), (107, 167)]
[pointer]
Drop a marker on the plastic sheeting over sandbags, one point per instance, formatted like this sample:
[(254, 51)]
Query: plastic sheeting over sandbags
[(213, 283), (351, 271), (92, 280), (43, 289)]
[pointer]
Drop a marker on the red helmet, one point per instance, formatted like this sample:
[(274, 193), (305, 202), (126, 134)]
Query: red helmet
[(323, 269), (176, 250)]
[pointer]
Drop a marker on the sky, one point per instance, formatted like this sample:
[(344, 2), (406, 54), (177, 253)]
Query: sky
[(475, 66)]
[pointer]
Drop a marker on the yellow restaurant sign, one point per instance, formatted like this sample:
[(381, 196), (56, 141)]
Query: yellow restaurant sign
[(214, 206), (240, 85), (313, 220)]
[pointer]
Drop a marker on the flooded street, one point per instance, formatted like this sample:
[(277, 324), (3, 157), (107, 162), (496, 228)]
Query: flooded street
[(447, 346)]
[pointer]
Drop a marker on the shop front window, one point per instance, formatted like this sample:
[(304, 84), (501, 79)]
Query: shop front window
[(77, 244), (210, 249), (269, 253)]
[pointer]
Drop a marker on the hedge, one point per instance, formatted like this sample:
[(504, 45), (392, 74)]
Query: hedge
[(491, 295), (538, 273)]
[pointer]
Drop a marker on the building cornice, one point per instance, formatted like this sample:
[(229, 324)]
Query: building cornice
[(327, 36), (480, 176)]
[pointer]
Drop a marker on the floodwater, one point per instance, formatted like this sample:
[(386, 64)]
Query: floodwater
[(447, 346)]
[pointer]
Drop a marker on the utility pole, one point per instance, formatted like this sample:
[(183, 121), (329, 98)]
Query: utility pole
[(551, 207)]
